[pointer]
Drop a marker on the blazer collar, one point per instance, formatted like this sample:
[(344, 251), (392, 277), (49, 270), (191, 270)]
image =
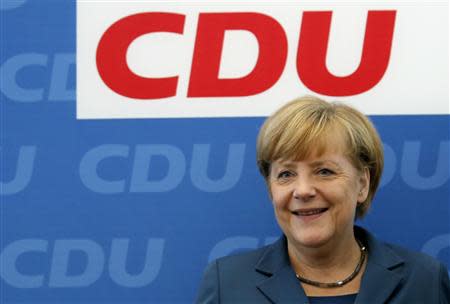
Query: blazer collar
[(384, 270), (380, 279), (281, 286)]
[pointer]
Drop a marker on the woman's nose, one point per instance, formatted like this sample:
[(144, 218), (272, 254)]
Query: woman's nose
[(304, 189)]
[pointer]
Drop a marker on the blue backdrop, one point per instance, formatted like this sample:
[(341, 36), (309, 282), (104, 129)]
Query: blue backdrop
[(131, 211)]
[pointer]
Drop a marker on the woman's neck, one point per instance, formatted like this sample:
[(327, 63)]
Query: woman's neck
[(330, 262)]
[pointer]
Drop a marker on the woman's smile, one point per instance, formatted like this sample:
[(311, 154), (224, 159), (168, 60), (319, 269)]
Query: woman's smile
[(309, 214)]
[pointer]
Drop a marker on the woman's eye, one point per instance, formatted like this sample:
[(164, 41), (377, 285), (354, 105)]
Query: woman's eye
[(284, 174), (325, 172)]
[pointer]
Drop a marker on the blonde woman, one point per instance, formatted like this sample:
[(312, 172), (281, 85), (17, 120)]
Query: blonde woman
[(322, 163)]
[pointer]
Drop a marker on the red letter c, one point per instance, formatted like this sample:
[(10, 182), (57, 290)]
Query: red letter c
[(111, 55)]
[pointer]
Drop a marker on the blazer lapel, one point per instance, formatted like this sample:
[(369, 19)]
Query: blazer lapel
[(281, 285), (377, 285), (383, 272)]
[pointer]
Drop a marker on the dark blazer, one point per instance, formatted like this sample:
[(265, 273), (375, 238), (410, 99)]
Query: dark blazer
[(392, 275)]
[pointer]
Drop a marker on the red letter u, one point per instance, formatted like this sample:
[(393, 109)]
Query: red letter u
[(312, 51)]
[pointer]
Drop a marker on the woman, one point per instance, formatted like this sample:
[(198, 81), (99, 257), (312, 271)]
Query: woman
[(322, 163)]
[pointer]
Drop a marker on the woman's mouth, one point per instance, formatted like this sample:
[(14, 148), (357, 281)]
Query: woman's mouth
[(309, 214)]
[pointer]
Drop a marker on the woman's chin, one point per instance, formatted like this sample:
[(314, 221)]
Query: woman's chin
[(311, 240)]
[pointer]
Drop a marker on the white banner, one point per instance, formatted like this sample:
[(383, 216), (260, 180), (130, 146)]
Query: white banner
[(147, 59)]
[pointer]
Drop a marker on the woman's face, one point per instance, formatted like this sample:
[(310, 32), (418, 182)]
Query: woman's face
[(315, 199)]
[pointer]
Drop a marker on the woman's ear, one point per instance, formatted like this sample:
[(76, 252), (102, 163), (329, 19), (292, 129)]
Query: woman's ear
[(364, 184)]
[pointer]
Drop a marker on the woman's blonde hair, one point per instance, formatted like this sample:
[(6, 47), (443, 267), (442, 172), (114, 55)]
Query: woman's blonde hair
[(302, 127)]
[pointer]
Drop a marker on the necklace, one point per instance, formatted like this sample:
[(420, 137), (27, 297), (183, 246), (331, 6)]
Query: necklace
[(341, 282)]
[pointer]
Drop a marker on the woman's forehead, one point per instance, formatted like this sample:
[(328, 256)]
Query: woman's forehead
[(330, 144), (330, 157)]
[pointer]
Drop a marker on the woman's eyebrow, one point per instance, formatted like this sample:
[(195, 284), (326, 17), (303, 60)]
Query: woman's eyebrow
[(292, 164), (324, 162), (285, 164)]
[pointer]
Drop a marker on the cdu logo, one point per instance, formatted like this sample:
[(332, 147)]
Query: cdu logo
[(145, 59), (272, 43)]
